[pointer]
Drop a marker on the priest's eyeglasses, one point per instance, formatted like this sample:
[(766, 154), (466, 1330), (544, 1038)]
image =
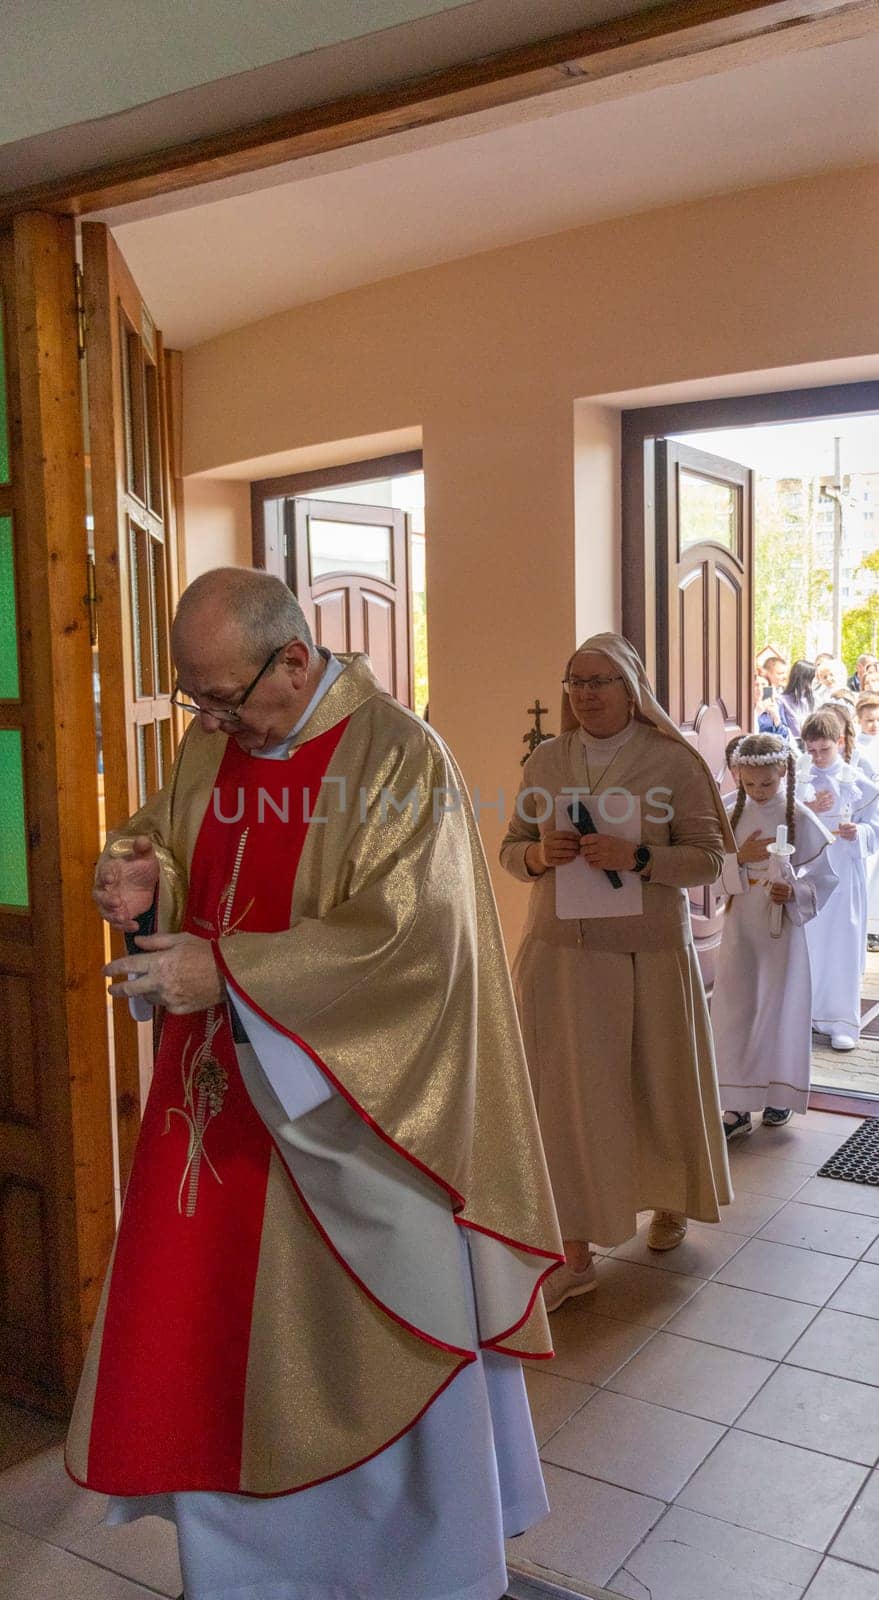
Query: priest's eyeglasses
[(225, 713), (595, 682)]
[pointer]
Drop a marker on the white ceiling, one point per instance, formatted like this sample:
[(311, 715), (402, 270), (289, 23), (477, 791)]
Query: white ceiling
[(111, 93), (95, 59), (215, 266)]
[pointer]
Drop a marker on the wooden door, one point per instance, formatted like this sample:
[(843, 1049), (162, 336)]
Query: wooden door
[(348, 566), (56, 1166), (704, 521), (136, 580)]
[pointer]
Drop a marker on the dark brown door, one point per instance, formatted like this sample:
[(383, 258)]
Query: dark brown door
[(704, 520), (348, 566), (135, 568)]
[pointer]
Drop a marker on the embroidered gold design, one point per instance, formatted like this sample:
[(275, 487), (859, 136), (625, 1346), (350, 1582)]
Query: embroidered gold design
[(205, 1079), (213, 1079)]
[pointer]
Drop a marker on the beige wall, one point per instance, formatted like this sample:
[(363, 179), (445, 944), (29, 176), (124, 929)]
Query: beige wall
[(597, 447), (216, 518), (489, 356)]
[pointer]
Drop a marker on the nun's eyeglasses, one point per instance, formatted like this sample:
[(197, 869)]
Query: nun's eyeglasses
[(573, 684)]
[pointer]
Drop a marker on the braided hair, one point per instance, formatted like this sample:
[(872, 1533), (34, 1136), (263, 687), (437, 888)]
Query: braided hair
[(758, 750)]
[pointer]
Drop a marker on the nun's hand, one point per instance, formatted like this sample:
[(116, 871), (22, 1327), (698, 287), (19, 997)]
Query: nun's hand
[(558, 847), (607, 853)]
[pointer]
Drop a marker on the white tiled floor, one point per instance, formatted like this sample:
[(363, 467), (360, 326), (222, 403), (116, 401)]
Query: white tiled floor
[(53, 1542), (710, 1427), (725, 1397)]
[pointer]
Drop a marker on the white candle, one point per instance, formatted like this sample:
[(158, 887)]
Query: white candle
[(781, 835)]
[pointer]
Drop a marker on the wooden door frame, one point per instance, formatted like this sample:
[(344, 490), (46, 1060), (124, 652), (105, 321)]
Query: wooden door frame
[(667, 461), (641, 428), (57, 1154), (298, 510), (112, 503), (267, 531), (661, 45)]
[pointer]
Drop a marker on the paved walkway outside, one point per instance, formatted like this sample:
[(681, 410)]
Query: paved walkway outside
[(856, 1070)]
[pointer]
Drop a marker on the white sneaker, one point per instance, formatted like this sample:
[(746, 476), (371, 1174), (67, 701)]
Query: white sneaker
[(842, 1041), (565, 1284)]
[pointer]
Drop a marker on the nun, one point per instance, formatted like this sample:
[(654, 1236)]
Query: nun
[(615, 820)]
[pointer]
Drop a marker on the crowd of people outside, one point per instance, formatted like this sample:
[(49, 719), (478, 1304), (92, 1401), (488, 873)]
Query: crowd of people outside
[(784, 695)]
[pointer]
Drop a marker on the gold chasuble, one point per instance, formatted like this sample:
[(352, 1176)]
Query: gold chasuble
[(241, 1346)]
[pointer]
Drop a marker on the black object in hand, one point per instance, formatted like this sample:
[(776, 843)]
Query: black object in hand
[(583, 823), (146, 924)]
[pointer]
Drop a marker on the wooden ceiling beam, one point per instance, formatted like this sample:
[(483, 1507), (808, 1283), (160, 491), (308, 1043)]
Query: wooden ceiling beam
[(646, 39)]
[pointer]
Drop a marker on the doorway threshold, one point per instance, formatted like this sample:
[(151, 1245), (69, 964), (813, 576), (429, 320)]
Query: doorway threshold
[(845, 1103), (529, 1582)]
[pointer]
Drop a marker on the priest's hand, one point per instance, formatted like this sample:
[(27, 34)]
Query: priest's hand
[(174, 970), (608, 853), (125, 885)]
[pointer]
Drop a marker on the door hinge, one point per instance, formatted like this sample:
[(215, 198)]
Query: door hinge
[(90, 598), (81, 319)]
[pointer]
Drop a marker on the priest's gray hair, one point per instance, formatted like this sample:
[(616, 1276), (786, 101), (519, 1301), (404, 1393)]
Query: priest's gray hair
[(266, 613)]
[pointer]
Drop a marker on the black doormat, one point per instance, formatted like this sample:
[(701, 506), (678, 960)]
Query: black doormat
[(857, 1160)]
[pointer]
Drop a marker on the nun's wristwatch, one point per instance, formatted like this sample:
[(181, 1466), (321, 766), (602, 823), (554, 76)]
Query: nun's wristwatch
[(643, 857)]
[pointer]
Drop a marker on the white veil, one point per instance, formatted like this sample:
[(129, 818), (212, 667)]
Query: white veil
[(628, 663)]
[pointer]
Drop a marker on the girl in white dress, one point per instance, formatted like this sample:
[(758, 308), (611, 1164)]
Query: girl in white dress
[(866, 756), (845, 800), (762, 1003), (867, 737)]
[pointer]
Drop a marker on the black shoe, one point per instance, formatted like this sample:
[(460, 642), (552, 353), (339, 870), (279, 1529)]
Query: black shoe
[(742, 1124), (873, 943), (776, 1116)]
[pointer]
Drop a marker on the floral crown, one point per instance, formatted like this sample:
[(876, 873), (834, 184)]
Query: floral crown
[(769, 758)]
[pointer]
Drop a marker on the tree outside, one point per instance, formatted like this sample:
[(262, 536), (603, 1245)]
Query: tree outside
[(793, 587)]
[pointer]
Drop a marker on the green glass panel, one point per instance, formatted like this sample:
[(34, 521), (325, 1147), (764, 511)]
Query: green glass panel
[(4, 430), (8, 629), (13, 842)]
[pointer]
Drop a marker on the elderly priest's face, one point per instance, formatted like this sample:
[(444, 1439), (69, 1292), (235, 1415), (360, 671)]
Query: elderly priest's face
[(215, 673)]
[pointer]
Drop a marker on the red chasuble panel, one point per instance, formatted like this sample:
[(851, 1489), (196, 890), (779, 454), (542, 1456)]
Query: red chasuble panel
[(169, 1401)]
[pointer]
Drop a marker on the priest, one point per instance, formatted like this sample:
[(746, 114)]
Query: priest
[(309, 1348)]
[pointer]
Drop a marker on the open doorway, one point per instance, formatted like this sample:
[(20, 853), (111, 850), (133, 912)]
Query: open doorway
[(351, 543), (814, 489), (759, 524)]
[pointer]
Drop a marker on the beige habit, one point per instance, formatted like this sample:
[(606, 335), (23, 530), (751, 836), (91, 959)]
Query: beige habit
[(613, 1009)]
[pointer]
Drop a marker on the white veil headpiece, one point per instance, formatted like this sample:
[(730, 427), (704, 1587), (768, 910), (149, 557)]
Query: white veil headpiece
[(628, 663)]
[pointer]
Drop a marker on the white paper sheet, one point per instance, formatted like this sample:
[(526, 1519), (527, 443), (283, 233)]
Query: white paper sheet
[(582, 891)]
